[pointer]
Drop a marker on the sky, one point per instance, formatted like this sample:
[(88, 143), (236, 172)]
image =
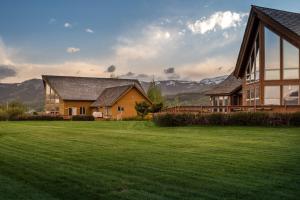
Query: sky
[(143, 39)]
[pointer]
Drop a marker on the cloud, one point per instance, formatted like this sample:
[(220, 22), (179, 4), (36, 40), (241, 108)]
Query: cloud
[(52, 21), (208, 68), (111, 68), (7, 71), (68, 25), (142, 77), (222, 20), (170, 70), (12, 71), (146, 46), (88, 30), (72, 50)]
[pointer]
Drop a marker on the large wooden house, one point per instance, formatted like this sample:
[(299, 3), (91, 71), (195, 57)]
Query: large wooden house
[(267, 69), (104, 97)]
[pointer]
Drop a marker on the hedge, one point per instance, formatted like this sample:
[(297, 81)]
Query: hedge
[(228, 119), (36, 118), (83, 118)]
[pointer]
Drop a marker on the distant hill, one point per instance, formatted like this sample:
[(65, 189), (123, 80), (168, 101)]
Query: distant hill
[(29, 92), (176, 92)]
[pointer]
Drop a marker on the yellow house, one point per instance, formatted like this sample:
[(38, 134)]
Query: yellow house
[(108, 98)]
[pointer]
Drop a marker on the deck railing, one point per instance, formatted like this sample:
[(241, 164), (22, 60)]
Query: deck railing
[(229, 109)]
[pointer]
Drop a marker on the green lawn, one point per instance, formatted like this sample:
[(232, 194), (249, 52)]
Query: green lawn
[(136, 160)]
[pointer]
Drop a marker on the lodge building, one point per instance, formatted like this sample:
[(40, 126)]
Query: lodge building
[(108, 98), (267, 74)]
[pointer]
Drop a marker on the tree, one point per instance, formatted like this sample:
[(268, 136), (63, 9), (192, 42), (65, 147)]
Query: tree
[(154, 93), (156, 107), (142, 109)]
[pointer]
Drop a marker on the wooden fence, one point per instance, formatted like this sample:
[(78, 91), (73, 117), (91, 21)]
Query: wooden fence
[(229, 109)]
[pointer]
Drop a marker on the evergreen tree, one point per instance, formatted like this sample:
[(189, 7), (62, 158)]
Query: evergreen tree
[(154, 93)]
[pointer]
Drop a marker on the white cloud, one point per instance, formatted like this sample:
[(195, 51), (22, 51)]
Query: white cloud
[(222, 20), (72, 50), (68, 25), (88, 30), (146, 46)]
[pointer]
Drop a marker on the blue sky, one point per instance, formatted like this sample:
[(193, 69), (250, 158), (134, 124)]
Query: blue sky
[(168, 39)]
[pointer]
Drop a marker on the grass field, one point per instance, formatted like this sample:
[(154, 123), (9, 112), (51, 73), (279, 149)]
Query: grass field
[(136, 160)]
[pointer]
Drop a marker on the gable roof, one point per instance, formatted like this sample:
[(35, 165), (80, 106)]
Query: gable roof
[(290, 20), (227, 87), (284, 23), (84, 88), (110, 95)]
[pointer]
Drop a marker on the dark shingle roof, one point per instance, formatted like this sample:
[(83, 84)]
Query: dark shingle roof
[(110, 95), (289, 20), (84, 88), (227, 87)]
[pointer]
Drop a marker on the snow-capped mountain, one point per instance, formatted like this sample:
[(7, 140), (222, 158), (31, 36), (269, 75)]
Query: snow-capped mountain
[(213, 81), (31, 92)]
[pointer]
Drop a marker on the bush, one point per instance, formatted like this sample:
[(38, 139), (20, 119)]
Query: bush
[(295, 119), (83, 118), (142, 108), (37, 118), (3, 115), (169, 119), (248, 119), (230, 119)]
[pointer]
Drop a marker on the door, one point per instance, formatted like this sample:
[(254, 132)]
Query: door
[(74, 111)]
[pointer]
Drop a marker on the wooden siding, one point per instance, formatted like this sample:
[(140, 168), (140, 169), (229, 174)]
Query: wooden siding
[(127, 101), (65, 105)]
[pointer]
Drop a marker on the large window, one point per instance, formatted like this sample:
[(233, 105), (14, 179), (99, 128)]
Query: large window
[(291, 94), (82, 110), (272, 95), (290, 61), (272, 55), (252, 72), (52, 101), (252, 96)]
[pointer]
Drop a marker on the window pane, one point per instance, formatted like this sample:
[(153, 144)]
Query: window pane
[(272, 95), (272, 55), (257, 65), (290, 61), (272, 74), (291, 94)]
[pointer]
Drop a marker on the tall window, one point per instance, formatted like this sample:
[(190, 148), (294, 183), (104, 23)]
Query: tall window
[(272, 95), (257, 60), (252, 71), (272, 55), (252, 97), (290, 94), (290, 61), (82, 111)]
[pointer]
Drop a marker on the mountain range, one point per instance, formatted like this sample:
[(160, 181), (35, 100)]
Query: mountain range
[(175, 92)]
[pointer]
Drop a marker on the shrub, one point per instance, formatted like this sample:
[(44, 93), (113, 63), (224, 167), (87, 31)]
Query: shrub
[(156, 107), (248, 119), (216, 119), (295, 119), (37, 118), (142, 108), (174, 119), (234, 119), (83, 118), (3, 115)]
